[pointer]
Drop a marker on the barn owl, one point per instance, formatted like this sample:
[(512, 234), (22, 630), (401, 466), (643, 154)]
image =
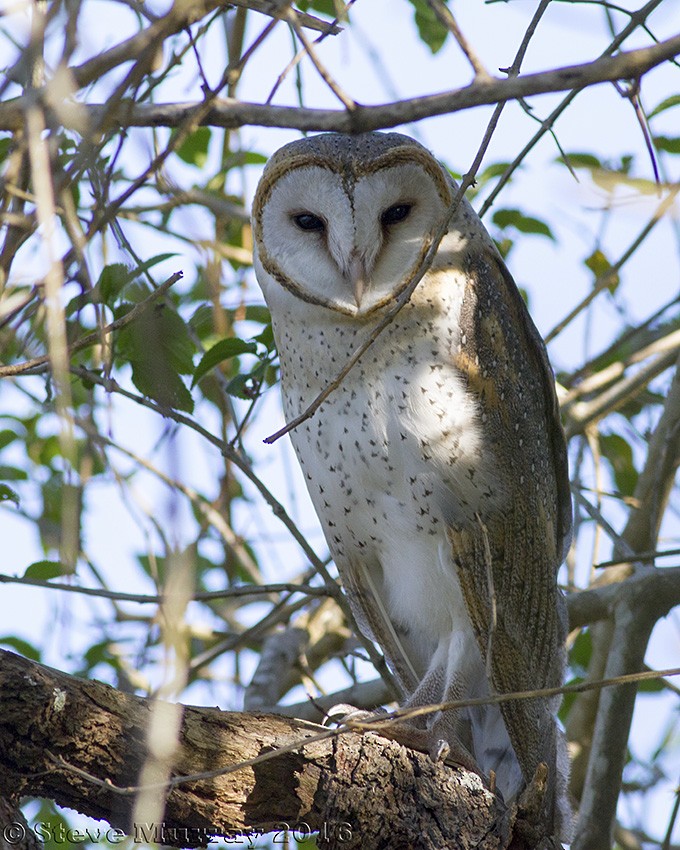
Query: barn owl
[(438, 466)]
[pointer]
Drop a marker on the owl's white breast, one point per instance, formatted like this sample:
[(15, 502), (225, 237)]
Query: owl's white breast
[(384, 454)]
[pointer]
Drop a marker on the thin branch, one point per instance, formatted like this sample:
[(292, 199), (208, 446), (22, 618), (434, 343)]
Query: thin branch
[(667, 344), (325, 75), (634, 619), (202, 505), (267, 7), (298, 58), (277, 508), (445, 16), (655, 482), (584, 413), (650, 555), (157, 599)]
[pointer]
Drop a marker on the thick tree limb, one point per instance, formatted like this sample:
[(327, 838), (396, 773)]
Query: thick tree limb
[(233, 113), (633, 624), (82, 744)]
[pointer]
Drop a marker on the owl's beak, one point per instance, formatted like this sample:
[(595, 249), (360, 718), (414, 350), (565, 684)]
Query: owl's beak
[(357, 275)]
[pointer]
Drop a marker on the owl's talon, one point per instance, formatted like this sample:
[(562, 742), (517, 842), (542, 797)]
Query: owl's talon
[(440, 750), (343, 712)]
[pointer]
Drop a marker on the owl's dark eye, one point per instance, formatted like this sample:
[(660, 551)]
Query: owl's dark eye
[(395, 214), (309, 221)]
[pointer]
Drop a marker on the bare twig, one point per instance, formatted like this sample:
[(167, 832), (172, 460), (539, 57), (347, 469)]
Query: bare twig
[(248, 590), (297, 59), (445, 16), (181, 16), (325, 75), (668, 344), (584, 413)]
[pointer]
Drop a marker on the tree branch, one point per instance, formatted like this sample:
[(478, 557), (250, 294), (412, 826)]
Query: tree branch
[(82, 744), (635, 618), (232, 113)]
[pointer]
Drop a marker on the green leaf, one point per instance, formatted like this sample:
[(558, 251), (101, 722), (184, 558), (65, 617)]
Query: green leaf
[(651, 686), (504, 246), (45, 570), (599, 265), (491, 172), (325, 7), (202, 321), (58, 828), (111, 282), (258, 313), (242, 387), (8, 495), (668, 103), (619, 454), (222, 350), (98, 653), (254, 158), (194, 149), (495, 169), (139, 270), (7, 437), (430, 29), (5, 143), (668, 144), (581, 651), (157, 381), (13, 473), (21, 646), (523, 223), (159, 349), (580, 160), (240, 158), (160, 334), (266, 338), (569, 699)]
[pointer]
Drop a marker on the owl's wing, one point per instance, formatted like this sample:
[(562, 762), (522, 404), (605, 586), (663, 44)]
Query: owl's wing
[(508, 555)]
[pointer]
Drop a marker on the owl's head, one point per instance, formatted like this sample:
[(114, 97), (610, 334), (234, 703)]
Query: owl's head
[(344, 221)]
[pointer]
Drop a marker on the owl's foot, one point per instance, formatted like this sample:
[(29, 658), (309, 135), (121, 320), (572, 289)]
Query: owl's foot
[(425, 740), (343, 712)]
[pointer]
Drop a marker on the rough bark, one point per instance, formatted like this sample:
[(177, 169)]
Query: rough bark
[(82, 744)]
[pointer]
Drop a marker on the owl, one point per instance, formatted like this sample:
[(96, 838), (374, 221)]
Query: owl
[(438, 466)]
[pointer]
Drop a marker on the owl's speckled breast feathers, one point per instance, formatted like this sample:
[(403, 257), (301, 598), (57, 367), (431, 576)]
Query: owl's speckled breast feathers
[(438, 466)]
